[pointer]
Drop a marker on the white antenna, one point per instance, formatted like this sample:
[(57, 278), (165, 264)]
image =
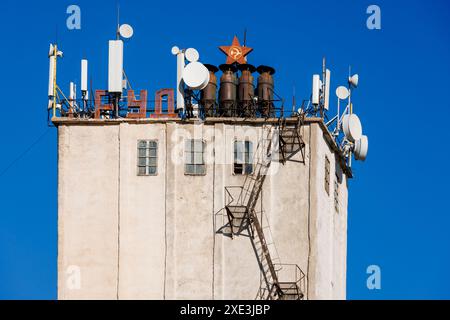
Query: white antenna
[(196, 76), (361, 148), (126, 31), (192, 55), (354, 80), (180, 85), (326, 94), (342, 93), (352, 127), (316, 90), (84, 76), (115, 66), (72, 92), (51, 72)]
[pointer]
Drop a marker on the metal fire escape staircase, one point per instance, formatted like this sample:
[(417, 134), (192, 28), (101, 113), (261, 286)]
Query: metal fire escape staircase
[(241, 211)]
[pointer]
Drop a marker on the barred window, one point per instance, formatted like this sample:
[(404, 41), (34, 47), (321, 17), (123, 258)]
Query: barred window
[(243, 157), (327, 175), (194, 157), (147, 157), (336, 194)]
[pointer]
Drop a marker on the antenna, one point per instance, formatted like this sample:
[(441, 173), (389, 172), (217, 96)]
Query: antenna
[(361, 148), (352, 127), (245, 37), (293, 99), (316, 90), (126, 31), (196, 76), (118, 22), (84, 76), (326, 93), (180, 85), (192, 55), (115, 66)]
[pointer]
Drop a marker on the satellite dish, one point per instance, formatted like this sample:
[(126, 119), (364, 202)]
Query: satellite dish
[(352, 127), (353, 80), (175, 50), (192, 55), (126, 31), (342, 93), (196, 76), (361, 148)]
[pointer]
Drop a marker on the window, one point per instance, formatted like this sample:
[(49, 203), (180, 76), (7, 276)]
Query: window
[(336, 193), (194, 158), (147, 157), (327, 175), (243, 157)]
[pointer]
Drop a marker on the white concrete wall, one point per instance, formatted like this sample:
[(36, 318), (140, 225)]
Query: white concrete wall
[(156, 237)]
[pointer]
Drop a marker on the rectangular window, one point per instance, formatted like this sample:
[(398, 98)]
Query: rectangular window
[(243, 157), (327, 175), (194, 157), (336, 194), (147, 157)]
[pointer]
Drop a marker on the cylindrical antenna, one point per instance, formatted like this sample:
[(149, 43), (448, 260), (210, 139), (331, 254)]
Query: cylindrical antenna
[(293, 99), (245, 37), (118, 21)]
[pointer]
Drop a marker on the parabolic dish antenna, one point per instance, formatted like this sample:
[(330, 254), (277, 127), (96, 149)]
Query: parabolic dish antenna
[(175, 50), (354, 80), (342, 93), (352, 127), (361, 148), (126, 31), (192, 55), (196, 76)]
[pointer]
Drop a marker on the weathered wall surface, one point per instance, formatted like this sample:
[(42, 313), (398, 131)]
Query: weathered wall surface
[(165, 236)]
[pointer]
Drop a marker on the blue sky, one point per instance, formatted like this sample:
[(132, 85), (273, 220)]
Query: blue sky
[(398, 212)]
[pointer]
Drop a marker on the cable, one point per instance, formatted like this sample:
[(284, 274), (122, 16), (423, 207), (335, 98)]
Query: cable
[(25, 152)]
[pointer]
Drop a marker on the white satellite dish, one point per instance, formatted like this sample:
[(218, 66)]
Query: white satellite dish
[(342, 93), (175, 50), (361, 148), (126, 31), (196, 76), (192, 55), (352, 127), (354, 80)]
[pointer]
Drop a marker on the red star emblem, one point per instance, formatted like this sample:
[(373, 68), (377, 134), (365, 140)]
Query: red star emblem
[(236, 52)]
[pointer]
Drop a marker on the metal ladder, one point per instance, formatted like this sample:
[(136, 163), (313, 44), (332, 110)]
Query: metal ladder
[(244, 207)]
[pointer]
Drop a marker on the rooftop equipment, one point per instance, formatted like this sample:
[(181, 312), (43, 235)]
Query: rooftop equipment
[(316, 90), (246, 91), (208, 95), (180, 67), (265, 90), (196, 76), (227, 91), (115, 66), (352, 127), (361, 148)]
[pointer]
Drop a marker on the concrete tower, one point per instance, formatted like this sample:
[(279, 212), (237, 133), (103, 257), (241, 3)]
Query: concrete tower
[(159, 209)]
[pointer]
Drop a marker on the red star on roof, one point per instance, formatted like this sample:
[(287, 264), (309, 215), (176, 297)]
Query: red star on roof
[(236, 52)]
